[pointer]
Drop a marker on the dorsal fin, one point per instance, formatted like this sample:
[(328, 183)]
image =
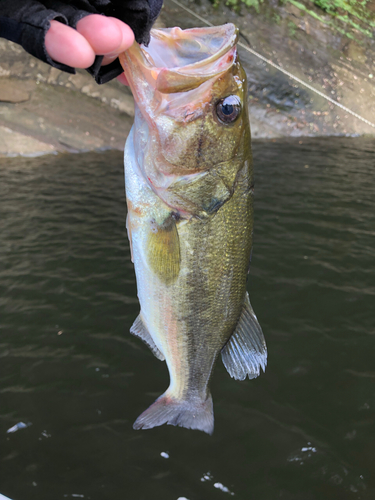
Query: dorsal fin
[(245, 353), (139, 330)]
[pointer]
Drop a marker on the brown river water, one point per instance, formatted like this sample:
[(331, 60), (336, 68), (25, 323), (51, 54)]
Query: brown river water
[(72, 373)]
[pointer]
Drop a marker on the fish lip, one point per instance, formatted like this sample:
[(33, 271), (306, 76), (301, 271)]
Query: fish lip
[(232, 34), (215, 54)]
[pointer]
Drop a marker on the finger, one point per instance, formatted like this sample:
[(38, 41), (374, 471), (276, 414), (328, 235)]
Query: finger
[(65, 45), (127, 36), (108, 59), (106, 35)]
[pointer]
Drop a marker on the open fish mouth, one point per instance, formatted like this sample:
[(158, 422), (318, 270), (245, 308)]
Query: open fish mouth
[(179, 60)]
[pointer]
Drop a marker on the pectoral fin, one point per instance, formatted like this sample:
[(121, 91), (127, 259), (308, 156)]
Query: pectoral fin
[(246, 352), (163, 250), (139, 330)]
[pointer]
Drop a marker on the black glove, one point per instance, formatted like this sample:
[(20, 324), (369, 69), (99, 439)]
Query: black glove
[(26, 22)]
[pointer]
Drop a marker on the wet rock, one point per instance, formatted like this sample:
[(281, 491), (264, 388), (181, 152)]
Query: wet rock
[(13, 143), (62, 120), (314, 55), (11, 91), (43, 109), (355, 52)]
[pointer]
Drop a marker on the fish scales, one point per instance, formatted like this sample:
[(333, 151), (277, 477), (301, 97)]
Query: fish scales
[(189, 188)]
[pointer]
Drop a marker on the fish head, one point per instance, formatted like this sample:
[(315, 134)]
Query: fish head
[(191, 90)]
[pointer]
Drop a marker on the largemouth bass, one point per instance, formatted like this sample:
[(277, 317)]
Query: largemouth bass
[(189, 189)]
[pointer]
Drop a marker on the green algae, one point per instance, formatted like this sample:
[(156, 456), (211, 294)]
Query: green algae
[(331, 22), (236, 4), (347, 17), (355, 8)]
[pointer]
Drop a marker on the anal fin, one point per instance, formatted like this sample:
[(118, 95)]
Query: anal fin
[(246, 352), (139, 330)]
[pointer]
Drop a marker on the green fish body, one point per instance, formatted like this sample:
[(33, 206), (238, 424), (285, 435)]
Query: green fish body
[(189, 189)]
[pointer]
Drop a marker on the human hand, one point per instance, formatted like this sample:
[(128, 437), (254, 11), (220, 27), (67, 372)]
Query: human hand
[(94, 35)]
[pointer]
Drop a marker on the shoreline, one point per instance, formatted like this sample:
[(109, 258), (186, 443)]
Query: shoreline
[(43, 110), (302, 140)]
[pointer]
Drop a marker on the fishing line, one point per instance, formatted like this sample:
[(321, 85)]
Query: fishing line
[(279, 68)]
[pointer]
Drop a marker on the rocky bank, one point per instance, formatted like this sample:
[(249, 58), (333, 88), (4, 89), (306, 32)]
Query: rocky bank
[(43, 110)]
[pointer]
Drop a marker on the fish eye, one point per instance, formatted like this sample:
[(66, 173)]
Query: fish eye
[(228, 109)]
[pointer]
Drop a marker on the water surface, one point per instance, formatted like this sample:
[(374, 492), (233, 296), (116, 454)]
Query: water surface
[(69, 367)]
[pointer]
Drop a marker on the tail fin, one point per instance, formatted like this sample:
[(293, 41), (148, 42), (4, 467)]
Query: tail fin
[(193, 413)]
